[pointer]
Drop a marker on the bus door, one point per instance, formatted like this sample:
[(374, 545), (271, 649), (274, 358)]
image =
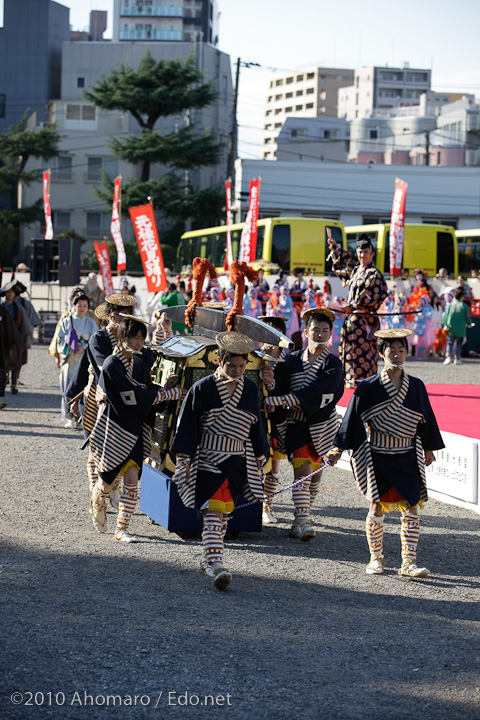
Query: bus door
[(446, 254)]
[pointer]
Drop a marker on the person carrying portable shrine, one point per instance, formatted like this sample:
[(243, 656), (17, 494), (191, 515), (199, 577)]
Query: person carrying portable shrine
[(309, 384), (121, 437), (278, 418), (392, 432), (220, 448)]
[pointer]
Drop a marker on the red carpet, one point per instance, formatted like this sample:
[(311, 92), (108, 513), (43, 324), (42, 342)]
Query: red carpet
[(456, 407)]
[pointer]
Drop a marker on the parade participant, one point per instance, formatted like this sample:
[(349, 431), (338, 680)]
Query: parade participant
[(261, 286), (100, 346), (93, 291), (455, 322), (121, 437), (251, 305), (309, 383), (366, 292), (300, 285), (25, 329), (424, 333), (277, 417), (9, 340), (73, 336), (392, 432), (220, 446)]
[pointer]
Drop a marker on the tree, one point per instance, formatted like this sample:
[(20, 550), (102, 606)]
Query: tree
[(17, 146), (159, 89)]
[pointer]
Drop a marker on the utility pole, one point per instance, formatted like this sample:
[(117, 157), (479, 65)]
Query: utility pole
[(233, 142), (427, 147)]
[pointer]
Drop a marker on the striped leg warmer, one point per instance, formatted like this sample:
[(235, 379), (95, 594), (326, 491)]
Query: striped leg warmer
[(270, 486), (126, 506), (301, 500), (314, 487), (374, 530), (92, 474), (410, 533), (212, 538)]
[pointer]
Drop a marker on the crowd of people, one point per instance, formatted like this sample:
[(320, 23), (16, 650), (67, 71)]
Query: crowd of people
[(108, 387)]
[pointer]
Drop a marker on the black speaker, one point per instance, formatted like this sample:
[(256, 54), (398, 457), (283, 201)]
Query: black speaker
[(69, 262), (43, 260)]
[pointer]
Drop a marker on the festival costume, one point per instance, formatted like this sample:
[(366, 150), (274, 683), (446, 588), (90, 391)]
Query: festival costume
[(71, 354), (367, 290), (388, 432), (219, 436), (9, 340), (122, 433), (310, 391)]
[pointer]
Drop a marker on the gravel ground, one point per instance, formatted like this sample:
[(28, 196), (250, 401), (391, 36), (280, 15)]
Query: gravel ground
[(302, 632)]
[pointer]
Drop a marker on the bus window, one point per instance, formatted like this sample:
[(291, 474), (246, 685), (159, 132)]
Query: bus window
[(260, 237), (386, 251), (192, 249), (281, 246), (218, 248), (352, 242), (468, 254), (235, 235), (445, 252), (337, 236)]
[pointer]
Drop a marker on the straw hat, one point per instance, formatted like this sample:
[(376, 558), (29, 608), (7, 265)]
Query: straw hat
[(118, 299), (235, 343), (127, 316), (393, 333), (319, 311)]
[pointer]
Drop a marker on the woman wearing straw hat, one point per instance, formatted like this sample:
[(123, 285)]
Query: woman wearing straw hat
[(309, 384), (392, 432), (220, 446)]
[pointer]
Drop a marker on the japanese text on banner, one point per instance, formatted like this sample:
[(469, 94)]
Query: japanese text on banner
[(103, 257), (46, 206), (248, 240), (115, 227), (143, 220), (397, 226)]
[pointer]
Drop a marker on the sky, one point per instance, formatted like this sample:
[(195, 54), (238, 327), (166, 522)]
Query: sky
[(284, 35)]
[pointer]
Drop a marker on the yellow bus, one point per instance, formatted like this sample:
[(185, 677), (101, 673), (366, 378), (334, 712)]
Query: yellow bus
[(429, 247), (287, 242), (468, 250)]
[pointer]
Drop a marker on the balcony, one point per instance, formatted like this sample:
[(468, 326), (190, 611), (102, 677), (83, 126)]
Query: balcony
[(153, 34), (150, 11)]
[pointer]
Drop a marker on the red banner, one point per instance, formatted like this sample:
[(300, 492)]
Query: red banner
[(397, 226), (103, 257), (115, 226), (46, 206), (229, 254), (248, 240), (143, 220)]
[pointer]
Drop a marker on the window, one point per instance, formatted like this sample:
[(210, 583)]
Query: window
[(269, 112), (374, 134), (278, 82), (311, 75), (2, 105), (299, 78), (310, 91), (98, 225), (62, 168), (288, 109), (80, 82), (297, 132), (277, 125), (278, 97), (299, 92), (289, 95), (267, 141), (308, 106), (61, 221), (270, 98), (298, 107), (323, 109), (268, 127), (281, 246), (95, 165), (445, 252), (80, 112), (73, 112), (323, 95), (289, 80), (278, 111)]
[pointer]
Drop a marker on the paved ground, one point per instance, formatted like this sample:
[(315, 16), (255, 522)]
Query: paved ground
[(302, 633)]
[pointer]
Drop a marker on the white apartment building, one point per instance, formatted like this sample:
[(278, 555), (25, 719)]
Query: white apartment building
[(382, 88), (166, 20), (323, 139), (310, 92)]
